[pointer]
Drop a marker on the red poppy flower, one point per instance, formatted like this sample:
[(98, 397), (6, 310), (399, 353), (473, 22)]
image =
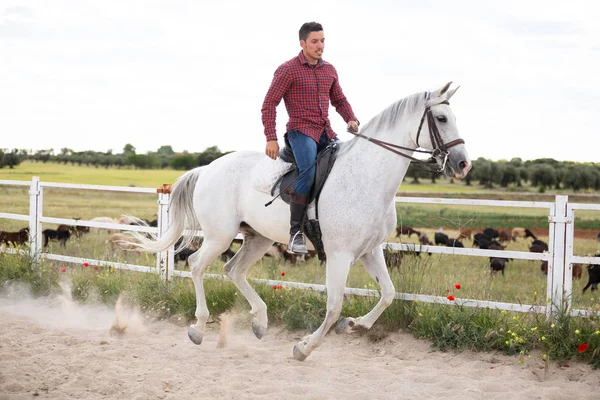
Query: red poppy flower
[(63, 269), (451, 298), (566, 365), (86, 264), (457, 285), (279, 287), (282, 273), (275, 287), (583, 347), (96, 267)]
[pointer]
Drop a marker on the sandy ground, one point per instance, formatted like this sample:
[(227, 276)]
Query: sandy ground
[(56, 349)]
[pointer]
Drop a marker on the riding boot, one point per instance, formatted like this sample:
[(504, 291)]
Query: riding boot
[(298, 203)]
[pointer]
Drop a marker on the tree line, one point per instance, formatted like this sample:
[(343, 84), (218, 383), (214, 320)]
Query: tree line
[(164, 157), (544, 173)]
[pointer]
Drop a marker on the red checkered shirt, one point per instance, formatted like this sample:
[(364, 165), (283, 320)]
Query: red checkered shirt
[(306, 91)]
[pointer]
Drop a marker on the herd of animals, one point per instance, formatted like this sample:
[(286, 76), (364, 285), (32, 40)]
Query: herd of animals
[(119, 241), (492, 239), (488, 238)]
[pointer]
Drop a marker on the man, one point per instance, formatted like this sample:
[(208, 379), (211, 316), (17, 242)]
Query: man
[(306, 83)]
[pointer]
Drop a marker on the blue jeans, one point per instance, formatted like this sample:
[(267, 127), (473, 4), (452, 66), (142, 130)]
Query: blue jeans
[(305, 152)]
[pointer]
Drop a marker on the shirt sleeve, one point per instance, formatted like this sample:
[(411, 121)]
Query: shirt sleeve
[(280, 85), (339, 101)]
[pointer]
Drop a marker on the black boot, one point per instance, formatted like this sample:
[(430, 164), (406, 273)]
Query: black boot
[(298, 203)]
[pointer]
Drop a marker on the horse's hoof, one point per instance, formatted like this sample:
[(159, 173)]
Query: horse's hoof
[(298, 354), (344, 325), (195, 336), (258, 329)]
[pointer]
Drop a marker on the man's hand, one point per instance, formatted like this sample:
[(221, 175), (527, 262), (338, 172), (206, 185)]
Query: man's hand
[(272, 149), (352, 127)]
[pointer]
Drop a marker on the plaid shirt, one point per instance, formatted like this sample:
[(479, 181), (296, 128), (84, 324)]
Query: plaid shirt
[(306, 91)]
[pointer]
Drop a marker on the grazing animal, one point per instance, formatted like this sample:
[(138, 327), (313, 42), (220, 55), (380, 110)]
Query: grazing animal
[(538, 246), (464, 233), (504, 237), (224, 198), (491, 233), (577, 269), (119, 241), (454, 243), (60, 236), (15, 238), (393, 258), (406, 230), (183, 255), (424, 240), (497, 264), (495, 245), (78, 231), (480, 236), (107, 220), (440, 238), (593, 276), (522, 233)]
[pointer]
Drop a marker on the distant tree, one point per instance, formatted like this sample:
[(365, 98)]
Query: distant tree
[(165, 150), (184, 162), (208, 156), (128, 149), (543, 175)]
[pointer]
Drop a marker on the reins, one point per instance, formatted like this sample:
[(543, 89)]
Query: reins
[(440, 149)]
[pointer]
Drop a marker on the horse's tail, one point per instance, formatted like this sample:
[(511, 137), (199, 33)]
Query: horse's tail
[(182, 216)]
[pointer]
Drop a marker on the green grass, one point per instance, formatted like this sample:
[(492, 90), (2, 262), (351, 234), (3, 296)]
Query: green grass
[(66, 173)]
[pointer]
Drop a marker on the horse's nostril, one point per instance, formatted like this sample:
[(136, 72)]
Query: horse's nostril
[(462, 165)]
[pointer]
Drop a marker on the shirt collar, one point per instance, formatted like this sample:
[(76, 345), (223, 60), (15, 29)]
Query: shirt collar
[(303, 59)]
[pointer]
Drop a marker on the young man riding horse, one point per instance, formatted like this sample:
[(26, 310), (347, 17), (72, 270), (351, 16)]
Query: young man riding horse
[(307, 84)]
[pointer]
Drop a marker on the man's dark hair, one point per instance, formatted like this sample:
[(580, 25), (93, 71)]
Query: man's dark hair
[(307, 28)]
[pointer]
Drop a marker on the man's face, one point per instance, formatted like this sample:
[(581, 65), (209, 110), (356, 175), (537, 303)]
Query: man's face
[(313, 46)]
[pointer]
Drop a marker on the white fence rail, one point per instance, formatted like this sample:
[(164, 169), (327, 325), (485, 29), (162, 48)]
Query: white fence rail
[(560, 257)]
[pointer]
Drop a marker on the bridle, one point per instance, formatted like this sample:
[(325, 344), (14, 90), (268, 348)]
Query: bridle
[(440, 149)]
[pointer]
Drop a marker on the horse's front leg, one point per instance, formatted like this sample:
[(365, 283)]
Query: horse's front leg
[(374, 263), (338, 266)]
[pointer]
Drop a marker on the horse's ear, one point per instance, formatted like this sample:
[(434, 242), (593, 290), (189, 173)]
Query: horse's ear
[(451, 93), (445, 88), (440, 92)]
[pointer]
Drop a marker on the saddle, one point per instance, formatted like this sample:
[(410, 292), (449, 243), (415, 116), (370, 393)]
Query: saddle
[(285, 186)]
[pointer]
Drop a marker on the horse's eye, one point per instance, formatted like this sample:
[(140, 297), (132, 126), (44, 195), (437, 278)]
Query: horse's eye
[(442, 118)]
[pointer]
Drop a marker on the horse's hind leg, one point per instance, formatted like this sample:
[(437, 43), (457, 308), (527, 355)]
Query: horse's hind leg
[(374, 263), (209, 251), (338, 266), (253, 248)]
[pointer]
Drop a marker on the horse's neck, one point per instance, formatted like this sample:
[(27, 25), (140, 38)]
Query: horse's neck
[(382, 166)]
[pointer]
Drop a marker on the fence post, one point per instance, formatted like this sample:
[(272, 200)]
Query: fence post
[(557, 285), (164, 259), (35, 227)]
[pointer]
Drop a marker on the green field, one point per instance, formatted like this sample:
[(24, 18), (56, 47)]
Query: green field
[(523, 281)]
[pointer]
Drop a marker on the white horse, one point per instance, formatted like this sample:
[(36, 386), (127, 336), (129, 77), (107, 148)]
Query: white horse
[(356, 211)]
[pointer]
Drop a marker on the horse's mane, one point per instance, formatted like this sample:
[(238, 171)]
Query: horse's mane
[(388, 117)]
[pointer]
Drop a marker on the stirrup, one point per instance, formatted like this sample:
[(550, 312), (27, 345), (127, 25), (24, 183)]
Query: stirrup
[(297, 244)]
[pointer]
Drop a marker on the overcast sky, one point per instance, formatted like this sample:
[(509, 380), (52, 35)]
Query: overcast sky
[(96, 75)]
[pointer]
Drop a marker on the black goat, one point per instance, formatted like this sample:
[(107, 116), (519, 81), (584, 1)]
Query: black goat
[(497, 264), (593, 276), (60, 236), (440, 238)]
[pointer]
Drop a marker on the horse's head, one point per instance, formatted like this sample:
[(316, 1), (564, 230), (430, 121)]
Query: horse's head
[(439, 134)]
